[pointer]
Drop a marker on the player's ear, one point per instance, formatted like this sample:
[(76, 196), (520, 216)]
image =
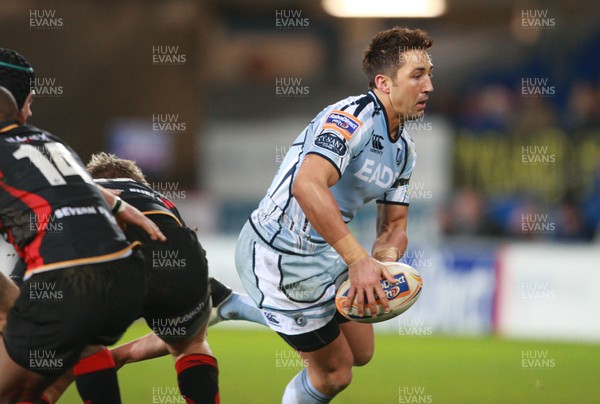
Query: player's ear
[(25, 111), (383, 83)]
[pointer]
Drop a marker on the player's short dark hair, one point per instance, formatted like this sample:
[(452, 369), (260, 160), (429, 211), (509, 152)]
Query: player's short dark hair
[(384, 54), (104, 165), (16, 74)]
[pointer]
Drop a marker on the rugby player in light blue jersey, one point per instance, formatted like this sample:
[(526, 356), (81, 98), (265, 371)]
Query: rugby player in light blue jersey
[(296, 248)]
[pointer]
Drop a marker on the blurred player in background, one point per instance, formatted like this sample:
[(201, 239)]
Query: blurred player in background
[(8, 290), (296, 247), (177, 305), (61, 225)]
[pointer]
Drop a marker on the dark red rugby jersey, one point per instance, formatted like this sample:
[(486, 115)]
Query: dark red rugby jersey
[(142, 197), (50, 209)]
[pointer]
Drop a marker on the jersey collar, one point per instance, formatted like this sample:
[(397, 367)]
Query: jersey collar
[(379, 108), (5, 126)]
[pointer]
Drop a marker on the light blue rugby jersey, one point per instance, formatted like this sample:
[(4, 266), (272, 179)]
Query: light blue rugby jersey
[(352, 134)]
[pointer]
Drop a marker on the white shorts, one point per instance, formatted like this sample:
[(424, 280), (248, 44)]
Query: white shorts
[(295, 293)]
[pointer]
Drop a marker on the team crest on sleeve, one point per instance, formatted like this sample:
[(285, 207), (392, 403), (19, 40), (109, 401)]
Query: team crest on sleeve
[(343, 123), (331, 142)]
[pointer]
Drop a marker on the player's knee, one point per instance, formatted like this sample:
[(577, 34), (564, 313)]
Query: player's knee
[(337, 380), (340, 379)]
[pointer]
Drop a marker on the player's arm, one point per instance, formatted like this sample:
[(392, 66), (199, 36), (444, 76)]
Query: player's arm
[(8, 294), (128, 214), (147, 347), (311, 190), (391, 240)]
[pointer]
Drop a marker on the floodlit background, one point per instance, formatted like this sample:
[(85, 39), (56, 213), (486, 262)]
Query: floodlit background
[(207, 96)]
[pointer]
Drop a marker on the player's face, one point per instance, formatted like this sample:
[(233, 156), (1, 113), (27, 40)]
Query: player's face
[(412, 84)]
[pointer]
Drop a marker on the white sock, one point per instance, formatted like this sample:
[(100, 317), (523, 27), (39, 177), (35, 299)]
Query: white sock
[(241, 307), (300, 391)]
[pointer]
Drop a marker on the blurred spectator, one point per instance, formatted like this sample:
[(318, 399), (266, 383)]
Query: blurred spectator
[(527, 221), (583, 108), (487, 109), (531, 121), (570, 224), (534, 115), (591, 205), (466, 214)]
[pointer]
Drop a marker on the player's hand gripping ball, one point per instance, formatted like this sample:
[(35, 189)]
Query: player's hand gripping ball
[(401, 296)]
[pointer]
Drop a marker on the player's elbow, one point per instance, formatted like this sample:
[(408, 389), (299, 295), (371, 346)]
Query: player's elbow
[(300, 189), (403, 243)]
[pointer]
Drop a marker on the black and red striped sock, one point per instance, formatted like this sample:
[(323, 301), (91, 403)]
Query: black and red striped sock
[(96, 379), (198, 378)]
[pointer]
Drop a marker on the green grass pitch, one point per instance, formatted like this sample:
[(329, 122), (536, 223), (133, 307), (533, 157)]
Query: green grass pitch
[(256, 365)]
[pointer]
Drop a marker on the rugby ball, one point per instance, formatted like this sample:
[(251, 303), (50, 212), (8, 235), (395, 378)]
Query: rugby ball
[(401, 296)]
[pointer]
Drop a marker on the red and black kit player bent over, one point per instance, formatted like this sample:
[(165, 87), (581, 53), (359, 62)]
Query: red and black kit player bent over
[(178, 287), (84, 283), (177, 303)]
